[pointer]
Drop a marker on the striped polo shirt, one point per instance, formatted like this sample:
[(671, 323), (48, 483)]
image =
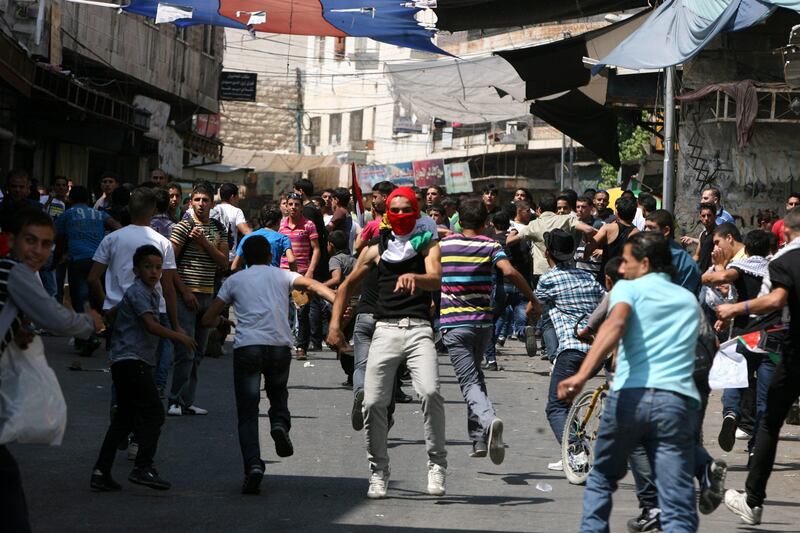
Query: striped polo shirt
[(467, 264), (6, 264), (195, 267), (300, 235)]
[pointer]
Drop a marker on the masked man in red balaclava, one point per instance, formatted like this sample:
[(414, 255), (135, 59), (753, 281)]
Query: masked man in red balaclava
[(408, 269)]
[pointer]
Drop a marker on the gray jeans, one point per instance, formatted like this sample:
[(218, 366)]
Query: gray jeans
[(363, 330), (395, 341), (184, 372), (466, 347)]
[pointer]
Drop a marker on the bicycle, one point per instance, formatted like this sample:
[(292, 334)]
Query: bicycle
[(580, 434)]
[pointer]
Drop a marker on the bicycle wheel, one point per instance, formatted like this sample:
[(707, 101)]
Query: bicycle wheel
[(577, 443)]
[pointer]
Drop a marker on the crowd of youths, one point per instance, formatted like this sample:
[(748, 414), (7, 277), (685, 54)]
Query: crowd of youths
[(423, 275)]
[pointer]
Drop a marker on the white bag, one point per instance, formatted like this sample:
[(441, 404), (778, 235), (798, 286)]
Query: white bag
[(32, 407), (729, 370)]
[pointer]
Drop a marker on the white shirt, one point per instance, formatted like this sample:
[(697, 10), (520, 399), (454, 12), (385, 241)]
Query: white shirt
[(260, 296), (638, 220), (116, 252), (230, 216)]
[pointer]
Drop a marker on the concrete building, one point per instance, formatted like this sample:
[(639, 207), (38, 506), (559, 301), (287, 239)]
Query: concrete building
[(88, 89)]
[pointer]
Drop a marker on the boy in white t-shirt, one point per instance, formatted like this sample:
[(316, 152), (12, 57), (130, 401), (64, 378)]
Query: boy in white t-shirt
[(261, 346)]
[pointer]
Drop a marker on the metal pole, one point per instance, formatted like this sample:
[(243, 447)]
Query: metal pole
[(561, 169), (668, 184)]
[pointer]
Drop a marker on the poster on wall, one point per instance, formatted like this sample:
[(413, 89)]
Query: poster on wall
[(369, 175), (429, 172), (457, 178), (401, 174)]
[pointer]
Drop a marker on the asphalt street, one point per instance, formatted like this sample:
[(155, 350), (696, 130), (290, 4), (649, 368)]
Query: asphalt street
[(323, 486)]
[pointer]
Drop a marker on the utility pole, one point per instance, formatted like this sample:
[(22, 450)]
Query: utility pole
[(668, 184)]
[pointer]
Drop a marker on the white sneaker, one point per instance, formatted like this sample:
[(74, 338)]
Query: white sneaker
[(737, 502), (742, 435), (194, 410), (378, 483), (133, 451), (174, 410), (557, 466), (436, 480), (497, 450), (578, 461)]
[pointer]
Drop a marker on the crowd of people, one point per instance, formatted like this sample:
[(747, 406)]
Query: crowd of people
[(423, 274)]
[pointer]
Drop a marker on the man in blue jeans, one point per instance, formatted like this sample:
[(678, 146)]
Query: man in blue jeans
[(653, 400), (262, 346), (569, 295)]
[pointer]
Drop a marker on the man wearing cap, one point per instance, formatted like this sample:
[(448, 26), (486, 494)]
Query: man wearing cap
[(408, 268), (570, 295)]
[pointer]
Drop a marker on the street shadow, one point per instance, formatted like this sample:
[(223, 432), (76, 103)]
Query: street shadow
[(454, 499), (521, 478), (309, 387), (394, 443)]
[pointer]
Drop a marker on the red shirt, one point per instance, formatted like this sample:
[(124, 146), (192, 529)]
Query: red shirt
[(301, 235), (777, 230)]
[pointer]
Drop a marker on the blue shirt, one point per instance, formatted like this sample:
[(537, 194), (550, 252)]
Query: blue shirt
[(658, 347), (277, 241), (129, 338), (723, 217), (687, 273), (84, 228)]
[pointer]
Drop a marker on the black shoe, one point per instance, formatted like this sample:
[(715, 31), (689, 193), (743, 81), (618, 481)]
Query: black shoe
[(283, 444), (712, 490), (252, 481), (647, 521), (402, 397), (727, 433), (88, 346), (314, 347), (479, 449), (148, 477), (493, 366), (357, 414), (101, 482)]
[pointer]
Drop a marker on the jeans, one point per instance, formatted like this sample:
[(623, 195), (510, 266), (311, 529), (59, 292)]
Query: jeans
[(184, 374), (666, 424), (139, 410), (549, 338), (362, 339), (408, 340), (782, 392), (567, 364), (249, 364), (465, 347), (760, 369), (164, 355), (78, 272), (48, 276), (303, 325), (642, 469), (319, 316), (13, 507), (511, 304)]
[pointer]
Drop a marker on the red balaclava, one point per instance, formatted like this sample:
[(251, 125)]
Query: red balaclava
[(402, 223)]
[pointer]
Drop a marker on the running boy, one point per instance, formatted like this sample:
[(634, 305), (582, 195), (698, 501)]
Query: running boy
[(132, 355)]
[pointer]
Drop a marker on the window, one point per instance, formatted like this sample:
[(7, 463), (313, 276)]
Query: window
[(314, 131), (208, 40), (356, 125), (339, 46), (335, 129)]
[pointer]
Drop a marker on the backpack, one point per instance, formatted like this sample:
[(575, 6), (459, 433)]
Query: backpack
[(190, 219)]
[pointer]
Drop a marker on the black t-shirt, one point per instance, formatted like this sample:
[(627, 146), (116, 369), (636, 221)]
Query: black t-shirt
[(519, 253), (313, 214), (747, 288), (785, 272), (706, 247)]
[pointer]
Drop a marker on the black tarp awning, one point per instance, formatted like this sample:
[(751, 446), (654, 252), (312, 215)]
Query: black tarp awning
[(457, 15)]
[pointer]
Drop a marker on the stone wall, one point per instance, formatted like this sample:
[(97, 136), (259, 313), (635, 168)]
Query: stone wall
[(268, 124), (758, 176)]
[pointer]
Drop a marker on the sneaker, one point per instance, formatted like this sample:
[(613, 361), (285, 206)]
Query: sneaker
[(194, 410), (737, 502), (493, 366), (101, 482), (558, 466), (649, 520), (300, 354), (174, 410), (133, 451), (252, 481), (314, 347), (727, 433), (479, 449), (402, 397), (578, 461), (497, 450), (283, 444), (713, 488), (742, 435), (513, 337), (148, 477), (501, 341), (378, 483), (436, 480), (357, 413)]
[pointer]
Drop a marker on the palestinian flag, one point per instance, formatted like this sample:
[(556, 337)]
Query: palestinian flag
[(752, 340), (355, 192)]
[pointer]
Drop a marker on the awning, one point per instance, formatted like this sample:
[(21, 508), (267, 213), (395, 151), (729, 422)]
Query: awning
[(456, 15), (679, 29), (262, 161)]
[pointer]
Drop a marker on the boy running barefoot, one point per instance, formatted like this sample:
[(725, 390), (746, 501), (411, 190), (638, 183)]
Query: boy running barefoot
[(132, 355)]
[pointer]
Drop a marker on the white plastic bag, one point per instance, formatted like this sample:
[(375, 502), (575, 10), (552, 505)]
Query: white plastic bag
[(32, 407), (729, 370)]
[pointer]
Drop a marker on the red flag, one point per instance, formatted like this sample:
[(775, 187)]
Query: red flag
[(358, 199)]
